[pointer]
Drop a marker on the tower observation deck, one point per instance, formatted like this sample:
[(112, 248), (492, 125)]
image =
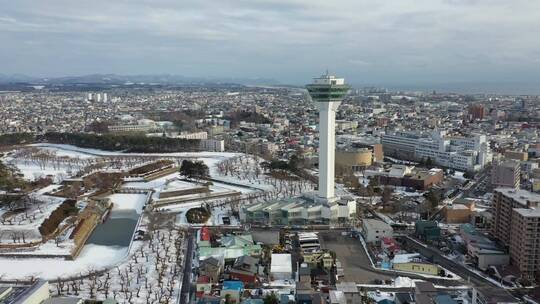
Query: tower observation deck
[(328, 92)]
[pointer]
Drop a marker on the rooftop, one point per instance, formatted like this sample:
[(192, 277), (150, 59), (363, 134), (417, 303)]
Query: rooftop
[(521, 196), (376, 224), (233, 285), (528, 212)]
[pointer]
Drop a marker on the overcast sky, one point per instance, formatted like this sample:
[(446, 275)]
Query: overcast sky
[(367, 41)]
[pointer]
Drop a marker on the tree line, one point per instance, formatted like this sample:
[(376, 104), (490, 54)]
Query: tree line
[(129, 142), (16, 139)]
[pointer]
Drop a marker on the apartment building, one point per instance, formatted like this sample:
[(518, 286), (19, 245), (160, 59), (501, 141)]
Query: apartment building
[(506, 174), (516, 223)]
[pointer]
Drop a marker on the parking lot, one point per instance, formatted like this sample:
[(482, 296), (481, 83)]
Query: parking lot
[(352, 256)]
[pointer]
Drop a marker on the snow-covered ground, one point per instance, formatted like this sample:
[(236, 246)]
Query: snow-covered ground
[(167, 182), (33, 170), (62, 161), (128, 201), (73, 150), (27, 223), (149, 275), (91, 257)]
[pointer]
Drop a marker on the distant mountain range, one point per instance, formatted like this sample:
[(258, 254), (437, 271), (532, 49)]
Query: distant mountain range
[(123, 79)]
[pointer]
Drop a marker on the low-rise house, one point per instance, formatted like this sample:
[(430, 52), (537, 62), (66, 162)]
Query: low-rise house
[(245, 269), (231, 247), (337, 297), (350, 290), (207, 299), (413, 263), (212, 268), (204, 286), (232, 291), (306, 295)]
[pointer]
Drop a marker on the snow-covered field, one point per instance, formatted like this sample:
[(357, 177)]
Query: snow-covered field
[(76, 151), (24, 225), (63, 161), (151, 273), (91, 257)]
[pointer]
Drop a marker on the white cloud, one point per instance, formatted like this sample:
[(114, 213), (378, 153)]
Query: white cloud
[(379, 40)]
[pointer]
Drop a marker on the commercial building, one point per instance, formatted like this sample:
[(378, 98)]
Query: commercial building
[(459, 153), (516, 223), (407, 176), (297, 212), (35, 293), (490, 295), (477, 111), (355, 159), (374, 230), (457, 213), (483, 251), (281, 266), (413, 263), (506, 174), (516, 155), (400, 144)]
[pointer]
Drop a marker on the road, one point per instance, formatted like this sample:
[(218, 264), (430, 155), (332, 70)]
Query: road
[(357, 266), (186, 281), (353, 258), (437, 257), (480, 184)]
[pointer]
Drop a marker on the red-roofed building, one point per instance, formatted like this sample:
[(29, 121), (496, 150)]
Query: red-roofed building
[(204, 287), (205, 234)]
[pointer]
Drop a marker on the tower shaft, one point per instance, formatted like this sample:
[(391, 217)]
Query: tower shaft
[(327, 149)]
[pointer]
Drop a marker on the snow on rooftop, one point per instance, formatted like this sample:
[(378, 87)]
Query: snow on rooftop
[(281, 263)]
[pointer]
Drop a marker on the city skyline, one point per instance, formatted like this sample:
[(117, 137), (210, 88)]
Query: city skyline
[(393, 43)]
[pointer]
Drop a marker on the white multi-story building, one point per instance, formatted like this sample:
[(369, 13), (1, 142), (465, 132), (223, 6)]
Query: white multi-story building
[(400, 144), (374, 230), (212, 145), (460, 153), (193, 135)]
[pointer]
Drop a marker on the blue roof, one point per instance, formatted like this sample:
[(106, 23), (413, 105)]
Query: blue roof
[(253, 301), (386, 301), (444, 299), (233, 285)]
